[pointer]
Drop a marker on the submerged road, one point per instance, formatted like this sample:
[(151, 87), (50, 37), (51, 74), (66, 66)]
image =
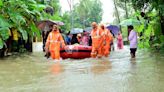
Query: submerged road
[(118, 73)]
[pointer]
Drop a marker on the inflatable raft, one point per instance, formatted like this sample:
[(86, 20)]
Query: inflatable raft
[(75, 51)]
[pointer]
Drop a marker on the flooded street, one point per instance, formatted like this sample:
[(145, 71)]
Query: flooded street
[(34, 73)]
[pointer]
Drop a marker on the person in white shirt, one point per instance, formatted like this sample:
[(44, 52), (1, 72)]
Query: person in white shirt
[(133, 41)]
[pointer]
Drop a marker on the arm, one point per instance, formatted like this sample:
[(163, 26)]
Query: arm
[(47, 43), (101, 39)]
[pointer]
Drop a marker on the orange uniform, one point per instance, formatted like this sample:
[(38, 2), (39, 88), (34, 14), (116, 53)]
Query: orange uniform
[(96, 43), (53, 43), (107, 36)]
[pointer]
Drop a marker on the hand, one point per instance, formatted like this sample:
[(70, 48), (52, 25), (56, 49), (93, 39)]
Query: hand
[(46, 49)]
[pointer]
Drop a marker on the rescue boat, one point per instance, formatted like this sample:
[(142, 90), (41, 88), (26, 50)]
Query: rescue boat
[(75, 51)]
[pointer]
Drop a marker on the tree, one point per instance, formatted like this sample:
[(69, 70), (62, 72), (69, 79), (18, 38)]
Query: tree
[(66, 20), (116, 13), (52, 10), (89, 11), (152, 12), (151, 15), (153, 4), (85, 12), (20, 15)]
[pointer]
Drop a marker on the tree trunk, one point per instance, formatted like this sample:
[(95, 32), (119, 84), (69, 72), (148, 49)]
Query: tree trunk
[(70, 3), (126, 10), (117, 14), (161, 22)]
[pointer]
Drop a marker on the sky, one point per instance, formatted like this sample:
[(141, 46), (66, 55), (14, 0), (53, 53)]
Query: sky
[(108, 9)]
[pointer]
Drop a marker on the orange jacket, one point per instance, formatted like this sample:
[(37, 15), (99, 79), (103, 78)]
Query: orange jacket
[(108, 36), (54, 41), (96, 36)]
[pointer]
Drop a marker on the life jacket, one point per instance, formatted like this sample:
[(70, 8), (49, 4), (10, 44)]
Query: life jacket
[(54, 41), (51, 40), (96, 38), (104, 35), (97, 34)]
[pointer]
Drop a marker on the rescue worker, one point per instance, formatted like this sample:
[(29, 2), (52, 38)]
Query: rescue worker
[(54, 43), (96, 41), (107, 39)]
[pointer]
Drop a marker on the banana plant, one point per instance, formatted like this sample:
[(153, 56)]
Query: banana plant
[(21, 15)]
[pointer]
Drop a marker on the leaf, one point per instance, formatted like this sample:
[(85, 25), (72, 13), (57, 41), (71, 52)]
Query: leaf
[(1, 43), (55, 17), (157, 29), (17, 18), (146, 43), (141, 45), (162, 38), (32, 1), (30, 33), (23, 33), (35, 12), (38, 7), (148, 31), (4, 33), (3, 22), (1, 3), (152, 14), (140, 28), (35, 30)]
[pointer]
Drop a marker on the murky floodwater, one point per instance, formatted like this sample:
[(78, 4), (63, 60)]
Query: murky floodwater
[(32, 73)]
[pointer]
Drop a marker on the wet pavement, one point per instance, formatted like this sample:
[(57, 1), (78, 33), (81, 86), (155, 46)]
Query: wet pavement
[(118, 73)]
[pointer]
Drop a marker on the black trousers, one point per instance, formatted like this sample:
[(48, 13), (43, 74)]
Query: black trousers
[(133, 51)]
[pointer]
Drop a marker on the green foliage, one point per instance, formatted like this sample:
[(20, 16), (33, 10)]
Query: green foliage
[(1, 3), (1, 43), (20, 15), (35, 30), (4, 28), (24, 33), (152, 18), (162, 38), (4, 33), (84, 13), (3, 22), (51, 17), (148, 31), (66, 20), (124, 32), (140, 28)]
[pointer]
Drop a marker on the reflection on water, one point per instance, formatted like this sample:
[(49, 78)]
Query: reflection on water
[(101, 66), (118, 73), (57, 68)]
